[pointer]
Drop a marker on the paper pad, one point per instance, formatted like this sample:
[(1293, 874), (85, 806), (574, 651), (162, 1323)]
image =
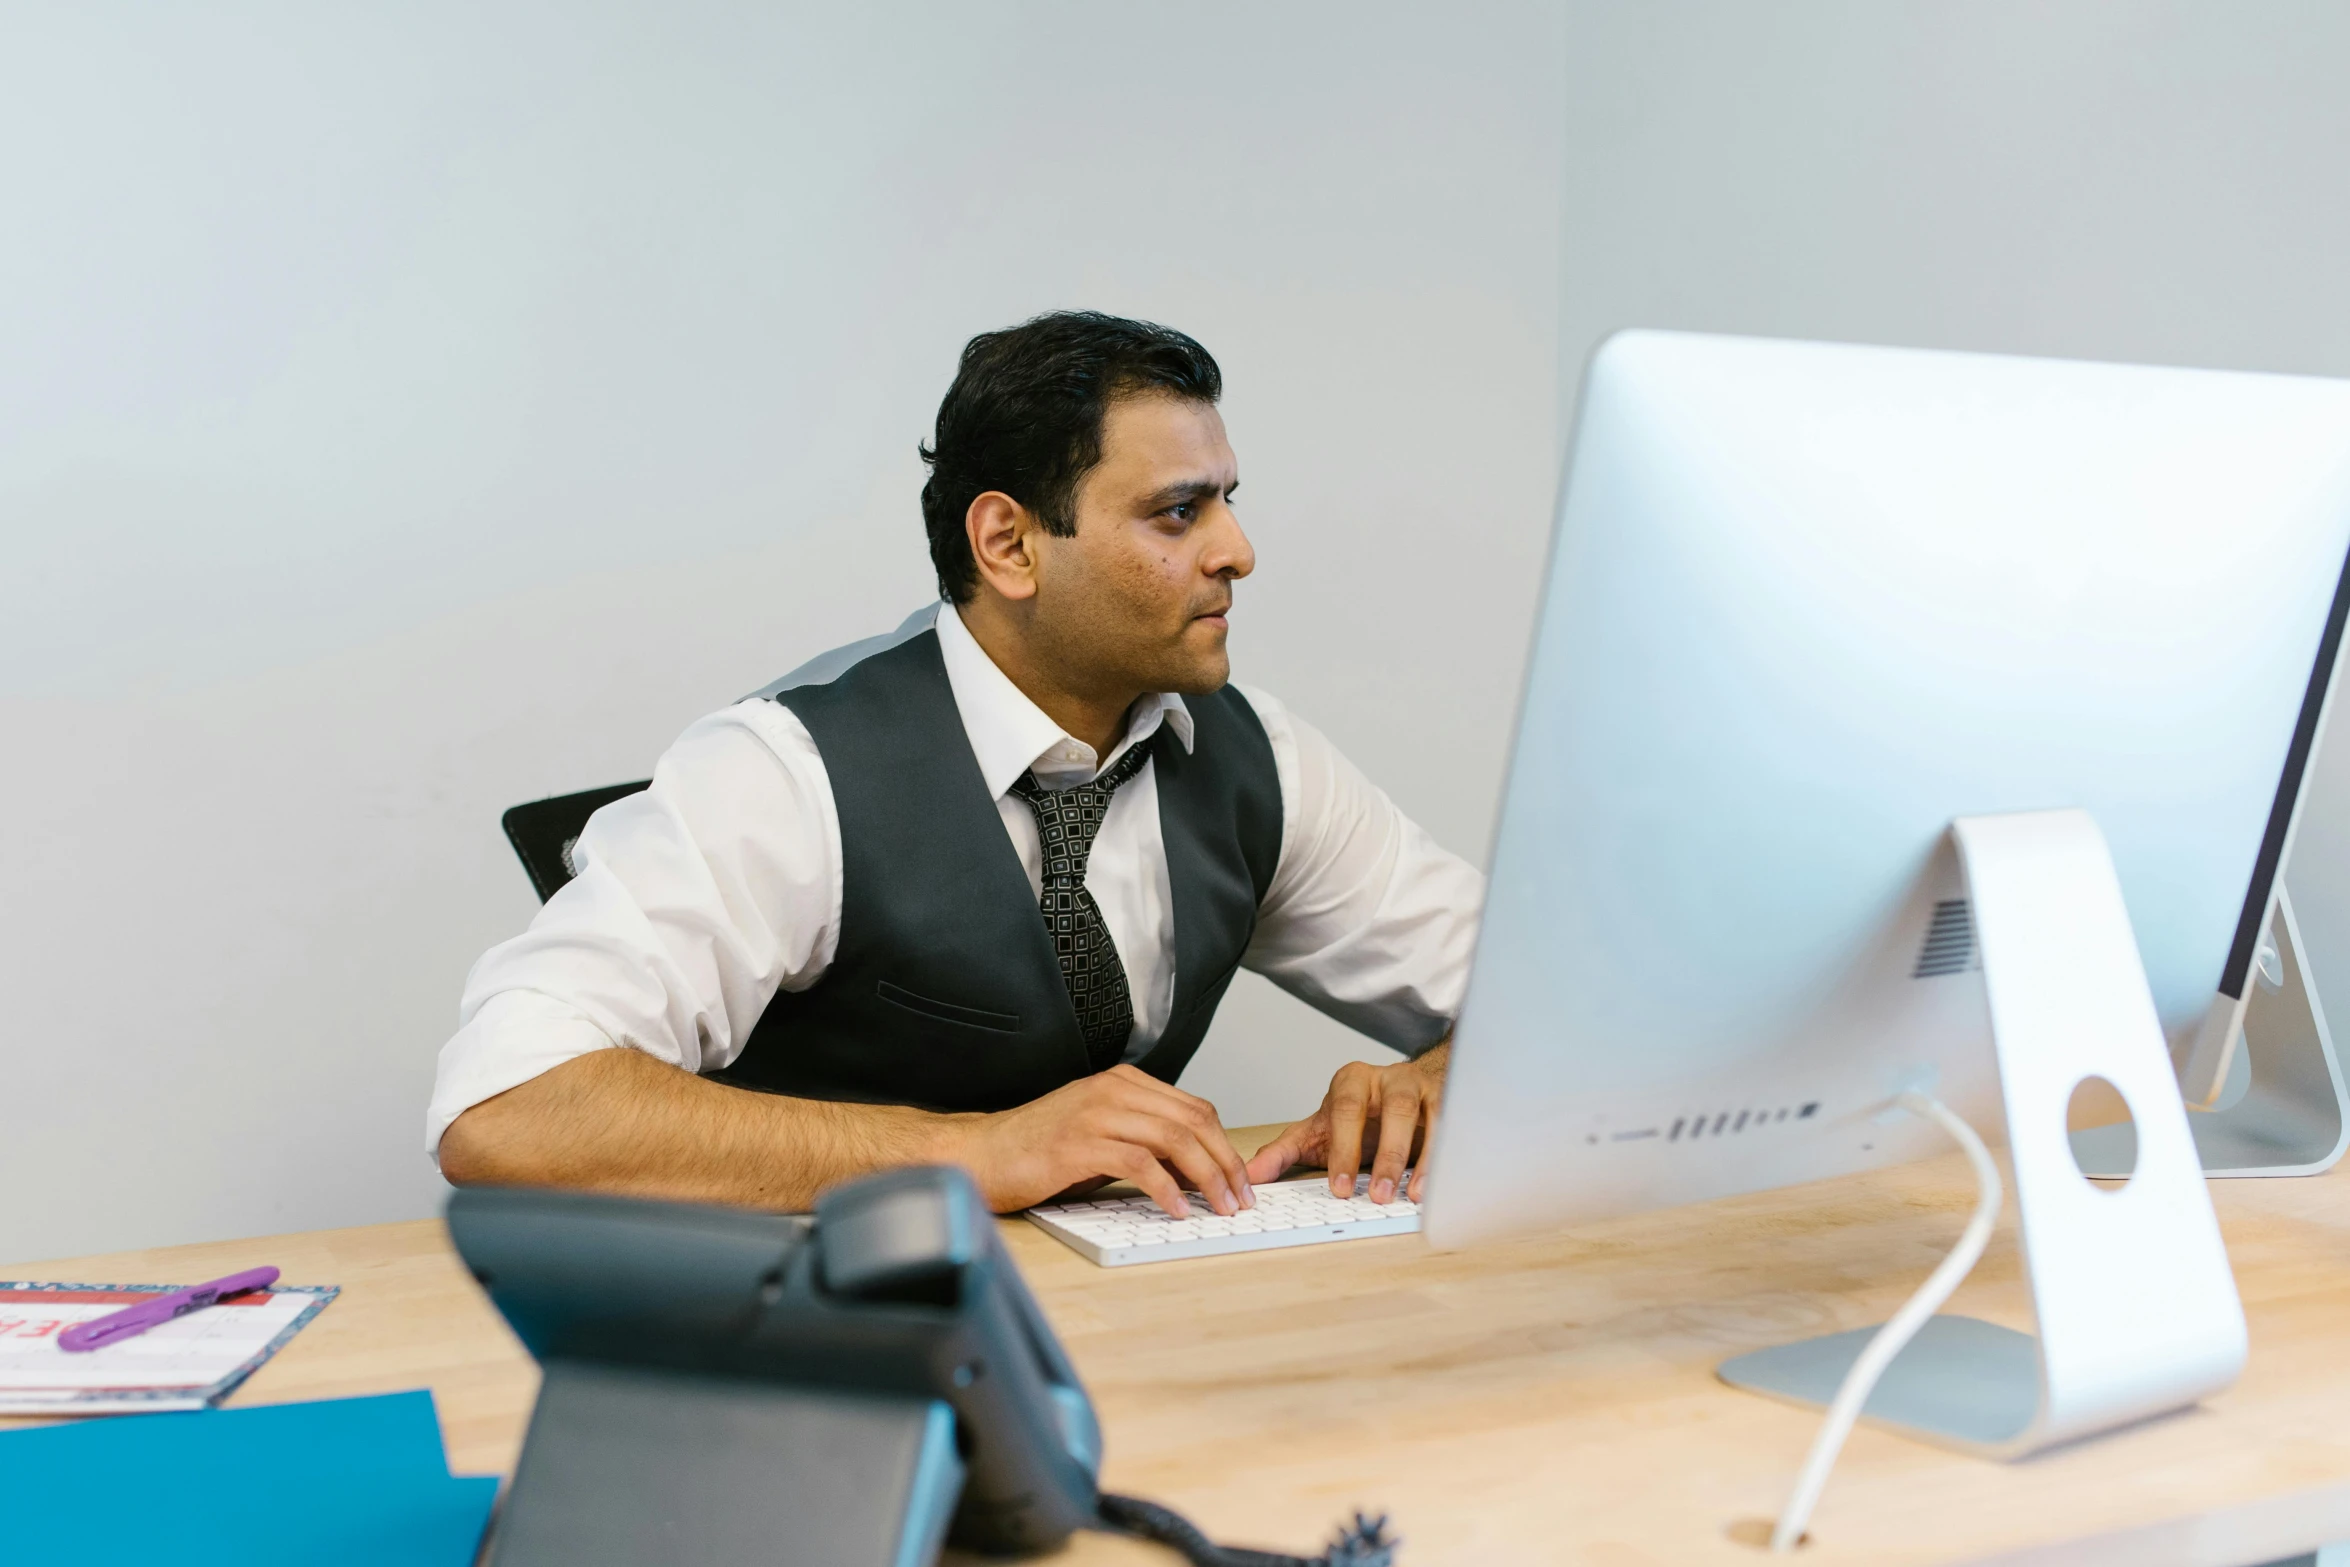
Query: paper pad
[(186, 1363)]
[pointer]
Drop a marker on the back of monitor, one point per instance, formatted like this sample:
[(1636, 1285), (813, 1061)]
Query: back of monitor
[(1905, 726), (1807, 605)]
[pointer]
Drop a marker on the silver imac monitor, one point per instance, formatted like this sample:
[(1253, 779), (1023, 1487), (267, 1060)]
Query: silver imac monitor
[(1806, 604)]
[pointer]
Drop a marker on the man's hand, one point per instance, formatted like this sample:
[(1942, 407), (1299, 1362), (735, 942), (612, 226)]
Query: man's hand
[(1402, 1099), (1122, 1124)]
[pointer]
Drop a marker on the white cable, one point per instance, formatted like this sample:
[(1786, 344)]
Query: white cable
[(1861, 1380)]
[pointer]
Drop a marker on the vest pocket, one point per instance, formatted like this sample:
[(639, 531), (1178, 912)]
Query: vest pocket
[(946, 1011)]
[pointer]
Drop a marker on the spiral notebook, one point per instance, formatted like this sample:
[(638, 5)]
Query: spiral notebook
[(188, 1363)]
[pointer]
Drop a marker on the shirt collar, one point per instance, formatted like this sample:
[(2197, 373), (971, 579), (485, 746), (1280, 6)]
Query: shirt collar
[(1011, 735)]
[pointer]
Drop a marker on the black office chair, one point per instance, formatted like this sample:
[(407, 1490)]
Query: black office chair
[(543, 832)]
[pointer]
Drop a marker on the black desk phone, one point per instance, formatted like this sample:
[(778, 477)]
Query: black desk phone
[(726, 1386), (855, 1389)]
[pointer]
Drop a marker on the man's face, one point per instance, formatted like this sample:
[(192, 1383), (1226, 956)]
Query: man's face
[(1137, 597)]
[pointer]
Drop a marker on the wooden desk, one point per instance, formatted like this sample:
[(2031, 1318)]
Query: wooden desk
[(1548, 1401)]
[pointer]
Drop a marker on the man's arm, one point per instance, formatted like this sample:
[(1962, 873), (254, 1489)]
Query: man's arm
[(619, 1121), (1371, 921), (1368, 919), (695, 902)]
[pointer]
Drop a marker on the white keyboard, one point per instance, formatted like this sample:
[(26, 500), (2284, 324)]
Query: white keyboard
[(1118, 1230)]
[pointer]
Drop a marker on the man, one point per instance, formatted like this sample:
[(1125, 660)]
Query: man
[(970, 893)]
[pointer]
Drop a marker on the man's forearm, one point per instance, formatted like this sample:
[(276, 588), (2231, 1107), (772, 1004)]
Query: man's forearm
[(620, 1121)]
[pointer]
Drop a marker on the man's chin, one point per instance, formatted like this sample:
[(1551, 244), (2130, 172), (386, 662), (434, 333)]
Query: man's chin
[(1197, 674)]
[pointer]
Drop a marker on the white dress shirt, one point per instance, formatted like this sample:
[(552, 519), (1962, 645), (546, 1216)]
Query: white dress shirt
[(700, 898)]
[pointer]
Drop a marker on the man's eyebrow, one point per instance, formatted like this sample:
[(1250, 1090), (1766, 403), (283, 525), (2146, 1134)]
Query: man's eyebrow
[(1187, 490)]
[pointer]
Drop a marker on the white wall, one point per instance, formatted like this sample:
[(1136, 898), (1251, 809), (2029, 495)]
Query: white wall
[(2152, 180), (406, 411)]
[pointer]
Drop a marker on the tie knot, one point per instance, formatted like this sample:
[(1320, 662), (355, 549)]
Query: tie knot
[(1068, 820), (1103, 786)]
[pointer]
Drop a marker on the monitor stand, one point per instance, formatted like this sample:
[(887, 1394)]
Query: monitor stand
[(2283, 1110), (2068, 1001)]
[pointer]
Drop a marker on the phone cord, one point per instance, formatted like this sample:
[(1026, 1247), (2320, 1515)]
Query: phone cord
[(1363, 1543)]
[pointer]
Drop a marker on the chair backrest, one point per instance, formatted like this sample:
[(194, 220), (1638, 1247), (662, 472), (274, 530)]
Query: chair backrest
[(543, 831)]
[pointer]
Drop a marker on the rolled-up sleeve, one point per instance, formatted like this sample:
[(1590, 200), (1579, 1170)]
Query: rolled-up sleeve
[(696, 900), (1368, 919)]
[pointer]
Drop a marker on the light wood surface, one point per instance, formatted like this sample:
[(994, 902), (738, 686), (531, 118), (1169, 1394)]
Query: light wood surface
[(1546, 1401)]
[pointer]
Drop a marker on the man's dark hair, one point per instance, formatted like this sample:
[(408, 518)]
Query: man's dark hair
[(1025, 417)]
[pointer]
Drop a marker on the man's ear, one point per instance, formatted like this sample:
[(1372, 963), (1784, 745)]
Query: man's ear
[(1003, 536)]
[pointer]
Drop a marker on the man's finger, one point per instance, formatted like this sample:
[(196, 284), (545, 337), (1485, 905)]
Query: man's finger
[(1179, 1144), (1084, 1188), (1138, 1092), (1295, 1142), (1431, 1105), (1130, 1163), (1347, 1106), (1399, 1120), (1201, 1117), (1218, 1143)]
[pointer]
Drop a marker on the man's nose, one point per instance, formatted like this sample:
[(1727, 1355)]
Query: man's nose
[(1230, 554)]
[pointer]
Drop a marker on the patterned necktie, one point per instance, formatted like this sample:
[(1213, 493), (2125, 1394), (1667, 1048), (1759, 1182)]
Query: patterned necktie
[(1067, 821)]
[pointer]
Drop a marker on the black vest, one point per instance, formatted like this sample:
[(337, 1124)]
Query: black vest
[(944, 991)]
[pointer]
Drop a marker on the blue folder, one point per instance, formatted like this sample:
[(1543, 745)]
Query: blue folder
[(361, 1482)]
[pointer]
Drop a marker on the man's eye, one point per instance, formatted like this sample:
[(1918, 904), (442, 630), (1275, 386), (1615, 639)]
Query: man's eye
[(1184, 511)]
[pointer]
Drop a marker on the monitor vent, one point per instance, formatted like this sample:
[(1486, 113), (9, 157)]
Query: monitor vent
[(1726, 1123), (1950, 941)]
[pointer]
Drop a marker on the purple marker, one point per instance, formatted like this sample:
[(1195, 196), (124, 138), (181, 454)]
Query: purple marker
[(151, 1313)]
